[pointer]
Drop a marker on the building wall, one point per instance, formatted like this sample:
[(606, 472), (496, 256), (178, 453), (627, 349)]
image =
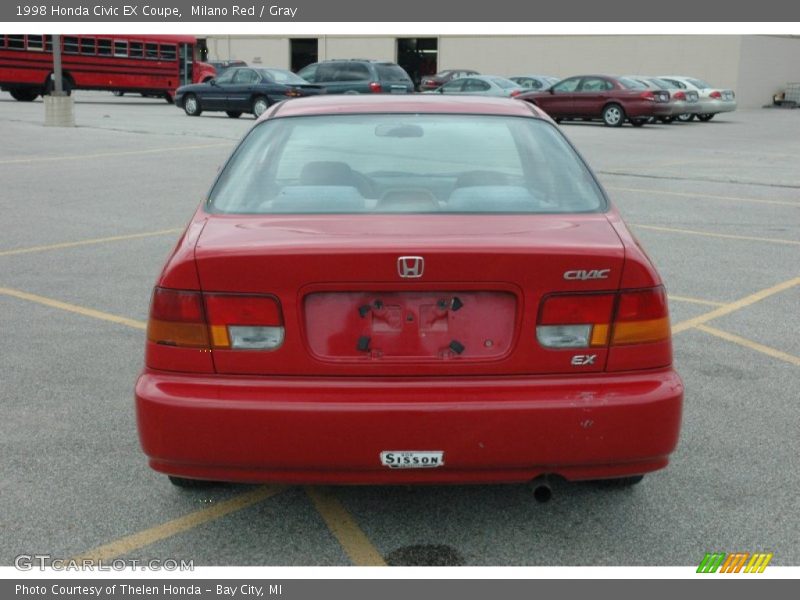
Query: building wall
[(377, 47), (754, 66), (712, 57), (767, 63)]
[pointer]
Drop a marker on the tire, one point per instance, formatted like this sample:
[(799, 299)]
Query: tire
[(260, 105), (191, 106), (24, 95), (169, 98), (638, 122), (686, 117), (613, 115), (705, 118), (184, 483), (233, 114), (621, 482), (666, 120), (118, 94), (66, 85), (558, 119)]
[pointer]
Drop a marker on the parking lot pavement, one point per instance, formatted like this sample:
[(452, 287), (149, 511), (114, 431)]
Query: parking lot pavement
[(90, 213)]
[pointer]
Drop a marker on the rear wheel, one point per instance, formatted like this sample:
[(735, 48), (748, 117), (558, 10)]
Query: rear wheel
[(260, 105), (621, 481), (182, 482), (638, 122), (191, 106), (50, 86), (685, 117), (613, 115), (233, 114), (666, 120), (24, 95), (706, 117), (169, 98), (118, 93)]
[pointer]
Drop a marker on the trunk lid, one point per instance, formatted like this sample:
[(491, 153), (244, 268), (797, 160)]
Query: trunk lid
[(468, 307)]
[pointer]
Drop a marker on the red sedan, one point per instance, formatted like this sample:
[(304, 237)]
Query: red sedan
[(612, 99), (393, 290)]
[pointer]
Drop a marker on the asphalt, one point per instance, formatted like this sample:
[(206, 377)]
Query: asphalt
[(74, 479)]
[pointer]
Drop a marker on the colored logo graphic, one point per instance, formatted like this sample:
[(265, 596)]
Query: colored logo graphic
[(734, 563)]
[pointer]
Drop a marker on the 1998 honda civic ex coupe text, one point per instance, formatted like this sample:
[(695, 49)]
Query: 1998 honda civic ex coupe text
[(407, 290)]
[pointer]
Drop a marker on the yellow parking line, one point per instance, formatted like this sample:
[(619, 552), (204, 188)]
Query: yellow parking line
[(717, 235), (695, 300), (696, 195), (734, 306), (344, 528), (102, 240), (74, 308), (38, 159), (131, 543), (790, 358)]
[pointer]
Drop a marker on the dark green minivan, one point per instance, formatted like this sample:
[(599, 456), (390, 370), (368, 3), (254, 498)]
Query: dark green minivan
[(356, 76)]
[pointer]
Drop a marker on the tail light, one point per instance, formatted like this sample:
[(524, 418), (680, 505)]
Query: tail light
[(375, 87), (293, 93), (184, 327), (648, 95), (715, 95), (244, 322), (679, 96), (624, 322), (176, 319), (515, 93)]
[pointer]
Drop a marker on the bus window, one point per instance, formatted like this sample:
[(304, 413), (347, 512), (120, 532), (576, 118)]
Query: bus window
[(151, 50), (88, 46), (120, 48), (16, 42), (70, 45), (104, 47), (136, 50), (35, 42), (168, 52)]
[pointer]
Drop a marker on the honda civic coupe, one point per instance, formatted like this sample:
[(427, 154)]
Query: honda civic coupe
[(613, 100), (407, 289), (241, 90)]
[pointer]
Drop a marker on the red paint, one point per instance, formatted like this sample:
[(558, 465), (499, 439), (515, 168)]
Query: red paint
[(319, 409)]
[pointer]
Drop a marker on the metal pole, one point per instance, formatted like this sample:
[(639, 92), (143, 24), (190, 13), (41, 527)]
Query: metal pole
[(58, 87)]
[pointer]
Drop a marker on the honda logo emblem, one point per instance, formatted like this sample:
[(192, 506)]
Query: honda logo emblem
[(410, 267)]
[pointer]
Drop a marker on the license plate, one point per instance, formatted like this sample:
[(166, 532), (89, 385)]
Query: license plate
[(412, 459)]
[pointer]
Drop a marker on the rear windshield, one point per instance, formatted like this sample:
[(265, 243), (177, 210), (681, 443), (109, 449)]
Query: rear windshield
[(506, 84), (283, 76), (388, 72), (698, 83), (405, 163)]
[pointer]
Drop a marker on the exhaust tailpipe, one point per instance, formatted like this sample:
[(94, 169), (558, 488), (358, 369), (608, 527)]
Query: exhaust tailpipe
[(542, 492)]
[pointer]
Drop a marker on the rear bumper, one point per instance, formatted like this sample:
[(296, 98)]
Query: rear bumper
[(646, 108), (333, 430), (712, 107)]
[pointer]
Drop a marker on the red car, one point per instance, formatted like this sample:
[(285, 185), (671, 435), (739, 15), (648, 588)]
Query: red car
[(612, 99), (416, 289)]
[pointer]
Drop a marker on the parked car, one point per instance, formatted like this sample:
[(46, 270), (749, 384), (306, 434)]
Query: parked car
[(684, 103), (223, 65), (534, 82), (612, 99), (712, 100), (243, 90), (432, 82), (425, 289), (482, 85), (354, 76)]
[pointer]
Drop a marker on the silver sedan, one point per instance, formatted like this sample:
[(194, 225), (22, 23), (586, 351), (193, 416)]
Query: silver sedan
[(713, 100), (481, 85)]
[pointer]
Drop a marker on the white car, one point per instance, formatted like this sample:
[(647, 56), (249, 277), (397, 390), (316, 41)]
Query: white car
[(685, 103), (712, 100)]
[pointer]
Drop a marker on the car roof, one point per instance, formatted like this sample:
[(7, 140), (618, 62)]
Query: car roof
[(411, 103)]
